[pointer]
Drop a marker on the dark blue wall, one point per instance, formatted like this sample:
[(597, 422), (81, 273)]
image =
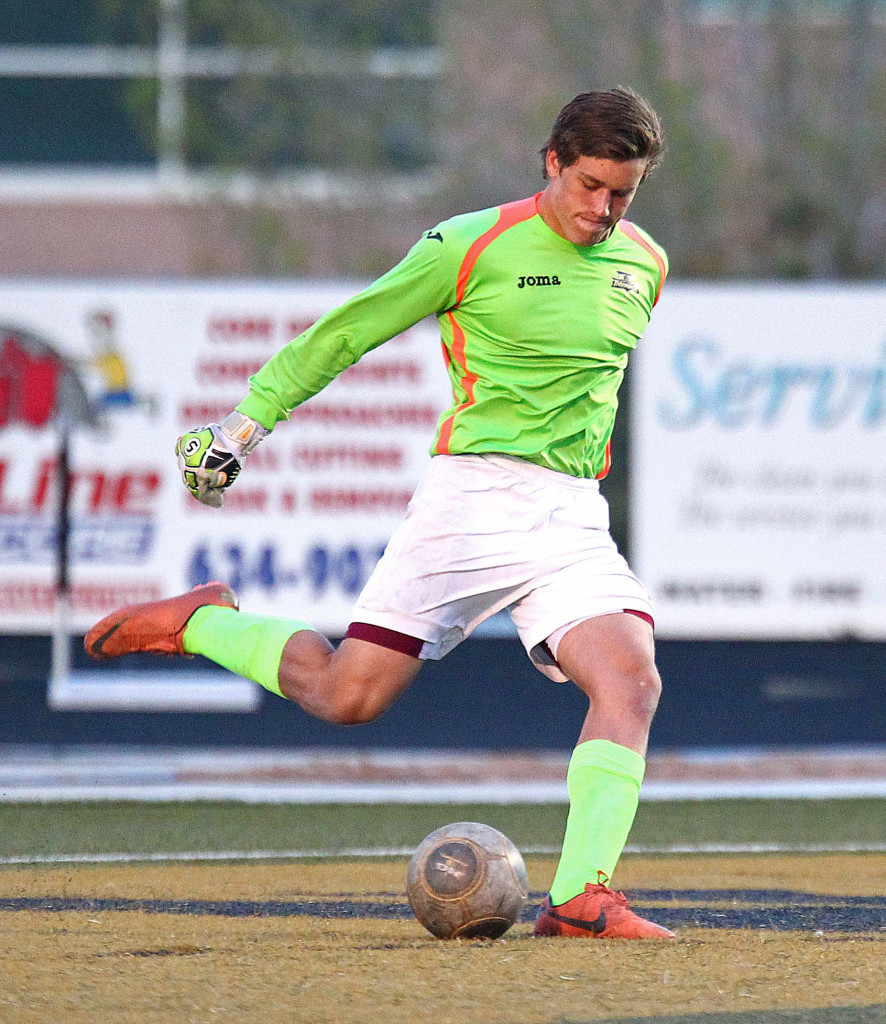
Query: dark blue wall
[(485, 694)]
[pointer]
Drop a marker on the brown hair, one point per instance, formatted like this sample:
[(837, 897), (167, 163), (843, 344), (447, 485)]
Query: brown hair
[(615, 124)]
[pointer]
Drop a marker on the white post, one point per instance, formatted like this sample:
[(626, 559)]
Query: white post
[(172, 48)]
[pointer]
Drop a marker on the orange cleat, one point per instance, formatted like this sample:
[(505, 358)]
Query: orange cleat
[(155, 626), (597, 913)]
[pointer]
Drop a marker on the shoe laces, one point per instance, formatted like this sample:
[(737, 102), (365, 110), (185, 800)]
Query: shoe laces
[(619, 897)]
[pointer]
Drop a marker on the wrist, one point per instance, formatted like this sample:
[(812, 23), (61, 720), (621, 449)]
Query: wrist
[(262, 409), (242, 433)]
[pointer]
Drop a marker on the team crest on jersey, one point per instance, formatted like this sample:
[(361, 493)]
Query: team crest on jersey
[(625, 282)]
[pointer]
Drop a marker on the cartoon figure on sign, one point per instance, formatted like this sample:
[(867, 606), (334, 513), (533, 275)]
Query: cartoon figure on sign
[(107, 361)]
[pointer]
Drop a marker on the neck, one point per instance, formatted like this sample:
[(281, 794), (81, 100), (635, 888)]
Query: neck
[(545, 211)]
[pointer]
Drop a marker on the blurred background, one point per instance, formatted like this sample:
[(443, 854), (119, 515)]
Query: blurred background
[(272, 138), (261, 150)]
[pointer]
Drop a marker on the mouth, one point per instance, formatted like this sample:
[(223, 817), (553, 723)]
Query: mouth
[(594, 223)]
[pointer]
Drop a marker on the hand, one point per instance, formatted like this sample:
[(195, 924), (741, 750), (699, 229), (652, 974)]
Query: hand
[(210, 458)]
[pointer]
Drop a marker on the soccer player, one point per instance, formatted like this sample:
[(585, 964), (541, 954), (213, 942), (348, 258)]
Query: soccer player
[(539, 303)]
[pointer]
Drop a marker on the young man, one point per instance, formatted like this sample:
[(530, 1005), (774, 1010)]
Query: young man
[(539, 302)]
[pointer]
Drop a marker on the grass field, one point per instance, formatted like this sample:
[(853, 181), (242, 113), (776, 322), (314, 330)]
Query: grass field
[(71, 828), (763, 939)]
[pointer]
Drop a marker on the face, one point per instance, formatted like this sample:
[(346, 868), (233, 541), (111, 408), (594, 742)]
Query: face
[(585, 200)]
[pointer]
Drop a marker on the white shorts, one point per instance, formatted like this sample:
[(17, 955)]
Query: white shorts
[(487, 532)]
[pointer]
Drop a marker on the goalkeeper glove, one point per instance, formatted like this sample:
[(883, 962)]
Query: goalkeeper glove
[(210, 458)]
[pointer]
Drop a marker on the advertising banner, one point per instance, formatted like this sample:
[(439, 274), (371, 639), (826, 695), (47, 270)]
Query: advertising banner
[(758, 462), (137, 365)]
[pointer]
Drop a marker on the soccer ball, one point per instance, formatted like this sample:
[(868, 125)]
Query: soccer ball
[(467, 881)]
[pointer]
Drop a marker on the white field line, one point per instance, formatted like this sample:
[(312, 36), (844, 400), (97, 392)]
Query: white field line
[(439, 793), (406, 851)]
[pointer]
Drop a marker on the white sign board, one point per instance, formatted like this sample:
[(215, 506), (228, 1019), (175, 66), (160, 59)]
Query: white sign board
[(758, 462), (305, 523)]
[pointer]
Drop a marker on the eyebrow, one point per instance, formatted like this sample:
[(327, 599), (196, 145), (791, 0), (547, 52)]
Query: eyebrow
[(589, 179)]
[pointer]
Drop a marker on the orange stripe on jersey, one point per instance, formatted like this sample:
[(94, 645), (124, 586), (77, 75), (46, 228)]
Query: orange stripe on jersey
[(468, 381), (508, 215), (628, 228), (607, 460)]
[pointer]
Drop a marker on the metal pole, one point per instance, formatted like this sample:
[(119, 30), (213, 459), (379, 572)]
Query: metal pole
[(61, 649)]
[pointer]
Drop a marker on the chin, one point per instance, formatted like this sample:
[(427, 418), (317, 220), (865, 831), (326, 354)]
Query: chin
[(592, 239), (591, 236)]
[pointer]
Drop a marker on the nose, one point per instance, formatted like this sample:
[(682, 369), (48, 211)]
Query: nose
[(601, 202)]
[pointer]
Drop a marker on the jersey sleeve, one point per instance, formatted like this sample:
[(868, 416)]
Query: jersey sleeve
[(423, 283)]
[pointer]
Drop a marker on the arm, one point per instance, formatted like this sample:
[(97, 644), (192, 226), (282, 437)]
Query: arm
[(422, 284)]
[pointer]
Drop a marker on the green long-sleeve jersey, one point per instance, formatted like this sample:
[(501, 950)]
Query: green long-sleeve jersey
[(536, 333)]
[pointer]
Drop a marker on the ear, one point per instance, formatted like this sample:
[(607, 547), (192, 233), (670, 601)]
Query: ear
[(552, 164)]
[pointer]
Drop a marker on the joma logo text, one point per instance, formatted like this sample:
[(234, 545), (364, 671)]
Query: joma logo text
[(532, 282)]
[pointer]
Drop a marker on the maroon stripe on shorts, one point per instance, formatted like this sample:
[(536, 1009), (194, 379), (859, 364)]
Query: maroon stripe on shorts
[(390, 638), (643, 615)]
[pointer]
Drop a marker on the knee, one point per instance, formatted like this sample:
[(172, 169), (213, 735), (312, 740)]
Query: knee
[(639, 683), (354, 702), (353, 712), (646, 689), (629, 690), (348, 686)]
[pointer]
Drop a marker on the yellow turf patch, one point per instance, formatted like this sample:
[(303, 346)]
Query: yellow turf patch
[(123, 965)]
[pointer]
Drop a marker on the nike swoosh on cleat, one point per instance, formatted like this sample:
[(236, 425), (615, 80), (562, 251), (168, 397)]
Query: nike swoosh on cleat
[(596, 927), (99, 645)]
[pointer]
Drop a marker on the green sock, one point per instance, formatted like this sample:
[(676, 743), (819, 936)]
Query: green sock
[(250, 645), (604, 789)]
